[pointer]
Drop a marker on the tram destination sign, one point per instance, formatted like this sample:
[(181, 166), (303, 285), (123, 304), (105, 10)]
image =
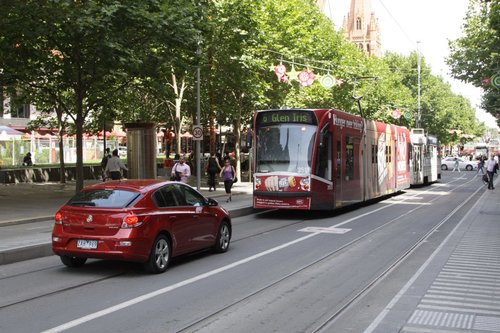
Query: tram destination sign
[(286, 116)]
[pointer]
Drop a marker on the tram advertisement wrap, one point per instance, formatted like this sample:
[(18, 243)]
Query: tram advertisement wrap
[(282, 184)]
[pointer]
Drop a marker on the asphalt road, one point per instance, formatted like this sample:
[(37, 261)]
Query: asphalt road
[(284, 272)]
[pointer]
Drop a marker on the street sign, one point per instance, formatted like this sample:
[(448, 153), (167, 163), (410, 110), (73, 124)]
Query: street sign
[(197, 132)]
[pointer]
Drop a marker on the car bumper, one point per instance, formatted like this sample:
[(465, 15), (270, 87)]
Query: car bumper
[(117, 248)]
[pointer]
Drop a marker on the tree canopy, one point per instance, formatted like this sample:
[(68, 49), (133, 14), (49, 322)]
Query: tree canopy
[(133, 60), (475, 56)]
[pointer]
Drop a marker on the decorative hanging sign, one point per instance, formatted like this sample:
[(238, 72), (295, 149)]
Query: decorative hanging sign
[(396, 113), (306, 78), (280, 71), (327, 81)]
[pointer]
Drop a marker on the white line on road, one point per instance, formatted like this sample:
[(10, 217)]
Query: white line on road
[(194, 279)]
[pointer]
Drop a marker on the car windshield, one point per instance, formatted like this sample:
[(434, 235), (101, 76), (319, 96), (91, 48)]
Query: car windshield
[(106, 198), (285, 147)]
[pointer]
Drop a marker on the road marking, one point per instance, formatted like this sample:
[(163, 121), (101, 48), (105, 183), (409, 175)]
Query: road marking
[(165, 290), (329, 230), (194, 279)]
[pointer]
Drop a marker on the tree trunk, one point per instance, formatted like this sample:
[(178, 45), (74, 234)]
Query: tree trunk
[(79, 142), (61, 143)]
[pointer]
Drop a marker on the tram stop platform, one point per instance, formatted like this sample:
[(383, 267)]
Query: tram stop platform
[(458, 288)]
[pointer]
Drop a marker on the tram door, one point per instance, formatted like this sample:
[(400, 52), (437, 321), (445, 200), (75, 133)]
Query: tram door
[(337, 153), (324, 170), (417, 170)]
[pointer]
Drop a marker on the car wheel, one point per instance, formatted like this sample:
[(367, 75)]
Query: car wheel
[(159, 258), (223, 238), (444, 167), (73, 261), (469, 167)]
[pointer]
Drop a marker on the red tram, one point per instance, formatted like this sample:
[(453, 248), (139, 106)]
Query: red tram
[(323, 159)]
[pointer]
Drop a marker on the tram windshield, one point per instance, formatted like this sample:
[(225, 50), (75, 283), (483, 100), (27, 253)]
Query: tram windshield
[(285, 147)]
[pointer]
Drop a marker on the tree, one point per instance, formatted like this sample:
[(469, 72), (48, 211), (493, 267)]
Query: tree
[(89, 50), (475, 57)]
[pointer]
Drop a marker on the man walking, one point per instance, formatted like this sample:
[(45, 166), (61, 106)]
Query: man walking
[(456, 166), (115, 165), (490, 169)]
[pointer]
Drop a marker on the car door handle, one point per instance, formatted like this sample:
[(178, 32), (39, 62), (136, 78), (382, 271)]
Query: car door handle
[(172, 217)]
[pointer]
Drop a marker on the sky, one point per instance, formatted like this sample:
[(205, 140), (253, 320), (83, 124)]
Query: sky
[(431, 23)]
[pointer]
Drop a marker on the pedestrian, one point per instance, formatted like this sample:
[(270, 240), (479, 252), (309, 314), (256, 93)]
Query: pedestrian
[(213, 167), (114, 166), (490, 169), (104, 163), (27, 160), (228, 173), (181, 171), (480, 166), (456, 166)]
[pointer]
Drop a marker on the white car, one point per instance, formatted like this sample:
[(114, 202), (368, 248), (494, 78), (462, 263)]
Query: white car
[(448, 163), (122, 151)]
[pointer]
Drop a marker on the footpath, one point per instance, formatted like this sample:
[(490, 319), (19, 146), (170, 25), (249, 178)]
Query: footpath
[(27, 214)]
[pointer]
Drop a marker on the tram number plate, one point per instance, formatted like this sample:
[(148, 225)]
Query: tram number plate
[(86, 244)]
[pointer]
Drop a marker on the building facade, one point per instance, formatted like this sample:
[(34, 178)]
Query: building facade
[(361, 27)]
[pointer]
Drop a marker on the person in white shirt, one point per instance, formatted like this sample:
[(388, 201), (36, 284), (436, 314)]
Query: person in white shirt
[(490, 169), (114, 166), (181, 171)]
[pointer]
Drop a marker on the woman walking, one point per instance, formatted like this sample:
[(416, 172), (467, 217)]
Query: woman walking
[(213, 168), (228, 173)]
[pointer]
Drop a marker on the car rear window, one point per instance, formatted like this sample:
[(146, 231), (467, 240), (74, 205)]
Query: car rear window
[(108, 198)]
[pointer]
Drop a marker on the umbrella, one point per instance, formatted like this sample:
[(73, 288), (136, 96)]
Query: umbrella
[(7, 133)]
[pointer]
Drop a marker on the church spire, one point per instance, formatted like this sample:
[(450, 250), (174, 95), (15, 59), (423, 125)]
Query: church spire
[(361, 27)]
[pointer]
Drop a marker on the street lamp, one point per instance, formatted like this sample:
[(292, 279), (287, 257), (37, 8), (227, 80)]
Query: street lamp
[(417, 123), (198, 116)]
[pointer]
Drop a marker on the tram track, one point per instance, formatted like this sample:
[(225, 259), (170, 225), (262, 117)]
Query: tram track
[(199, 324), (320, 326)]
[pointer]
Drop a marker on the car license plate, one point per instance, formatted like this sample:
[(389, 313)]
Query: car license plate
[(86, 244)]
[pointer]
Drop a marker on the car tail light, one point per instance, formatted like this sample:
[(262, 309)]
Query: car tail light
[(58, 218), (133, 221)]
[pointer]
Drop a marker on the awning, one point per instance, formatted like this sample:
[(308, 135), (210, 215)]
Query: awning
[(7, 133)]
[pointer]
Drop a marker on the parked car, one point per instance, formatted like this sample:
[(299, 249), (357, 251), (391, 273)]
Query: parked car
[(122, 151), (148, 221), (448, 163)]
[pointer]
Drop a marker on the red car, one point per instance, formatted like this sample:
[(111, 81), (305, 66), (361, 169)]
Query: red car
[(147, 221)]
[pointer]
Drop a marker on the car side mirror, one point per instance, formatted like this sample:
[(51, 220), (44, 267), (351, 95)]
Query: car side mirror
[(212, 202)]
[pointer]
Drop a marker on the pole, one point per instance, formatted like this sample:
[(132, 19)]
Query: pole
[(418, 87), (198, 146)]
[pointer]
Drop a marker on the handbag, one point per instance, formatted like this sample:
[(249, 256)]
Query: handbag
[(235, 180), (176, 177)]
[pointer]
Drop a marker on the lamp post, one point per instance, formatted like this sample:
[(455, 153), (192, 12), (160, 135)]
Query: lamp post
[(198, 111), (417, 124)]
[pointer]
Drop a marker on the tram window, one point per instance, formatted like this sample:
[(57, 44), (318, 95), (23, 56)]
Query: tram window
[(349, 158)]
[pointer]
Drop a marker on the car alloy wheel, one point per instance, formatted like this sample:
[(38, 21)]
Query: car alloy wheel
[(223, 238), (159, 257)]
